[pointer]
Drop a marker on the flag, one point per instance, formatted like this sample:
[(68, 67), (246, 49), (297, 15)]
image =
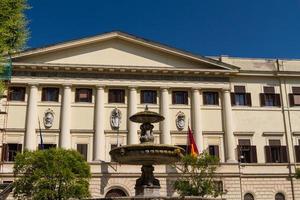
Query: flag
[(192, 147)]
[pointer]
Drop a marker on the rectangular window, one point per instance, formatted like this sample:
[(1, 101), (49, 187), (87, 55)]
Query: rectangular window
[(297, 152), (213, 150), (210, 98), (50, 94), (47, 146), (269, 98), (83, 95), (295, 96), (148, 96), (246, 152), (275, 153), (16, 93), (112, 146), (82, 149), (240, 97), (116, 96), (10, 150), (180, 97)]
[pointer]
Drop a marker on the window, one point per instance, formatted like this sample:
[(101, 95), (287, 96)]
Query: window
[(116, 96), (275, 153), (16, 93), (213, 150), (50, 94), (246, 152), (279, 196), (295, 96), (240, 97), (248, 196), (83, 95), (112, 146), (297, 151), (180, 97), (47, 146), (82, 149), (148, 96), (10, 151), (210, 98), (269, 98)]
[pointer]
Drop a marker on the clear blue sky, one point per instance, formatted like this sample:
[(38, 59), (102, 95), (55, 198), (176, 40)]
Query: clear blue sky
[(256, 28)]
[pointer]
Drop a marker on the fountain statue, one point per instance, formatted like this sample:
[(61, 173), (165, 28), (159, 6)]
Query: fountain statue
[(147, 153)]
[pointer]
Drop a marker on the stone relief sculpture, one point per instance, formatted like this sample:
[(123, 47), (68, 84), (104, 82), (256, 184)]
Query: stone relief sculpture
[(48, 118), (115, 118), (180, 120)]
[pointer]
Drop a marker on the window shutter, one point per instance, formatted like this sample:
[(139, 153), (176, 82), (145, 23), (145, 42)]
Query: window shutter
[(217, 98), (216, 147), (232, 95), (173, 97), (19, 148), (204, 98), (44, 94), (253, 155), (269, 90), (110, 96), (77, 95), (122, 96), (248, 99), (283, 154), (185, 97), (268, 156), (238, 148), (4, 156), (142, 96), (297, 152), (239, 89), (277, 100), (291, 97), (262, 99), (296, 90)]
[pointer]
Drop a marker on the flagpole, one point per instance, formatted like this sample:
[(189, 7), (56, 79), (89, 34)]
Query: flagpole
[(41, 137)]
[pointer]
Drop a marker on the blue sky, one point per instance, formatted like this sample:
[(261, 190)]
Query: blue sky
[(257, 28)]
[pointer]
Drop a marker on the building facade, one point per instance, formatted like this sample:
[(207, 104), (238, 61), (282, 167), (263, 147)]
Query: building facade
[(81, 93)]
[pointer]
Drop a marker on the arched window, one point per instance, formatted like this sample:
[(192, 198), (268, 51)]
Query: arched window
[(115, 193), (279, 196), (248, 196)]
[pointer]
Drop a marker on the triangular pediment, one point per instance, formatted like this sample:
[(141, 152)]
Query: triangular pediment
[(118, 49)]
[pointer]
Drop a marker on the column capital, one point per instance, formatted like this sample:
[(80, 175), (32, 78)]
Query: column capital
[(131, 87), (67, 85), (33, 84), (100, 86), (226, 89), (164, 88), (194, 89)]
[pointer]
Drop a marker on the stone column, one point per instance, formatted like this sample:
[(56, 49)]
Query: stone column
[(99, 137), (165, 135), (65, 123), (196, 118), (229, 137), (31, 119), (132, 137)]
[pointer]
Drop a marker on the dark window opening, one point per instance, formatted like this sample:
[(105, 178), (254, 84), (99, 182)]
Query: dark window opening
[(82, 149), (83, 95), (213, 150), (180, 97), (248, 196), (269, 98), (210, 98), (10, 150), (240, 97), (279, 196), (275, 153), (295, 96), (149, 96), (16, 93), (47, 146), (246, 152), (116, 96), (50, 94)]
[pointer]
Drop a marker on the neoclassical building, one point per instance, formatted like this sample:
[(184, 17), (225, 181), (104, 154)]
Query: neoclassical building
[(243, 110)]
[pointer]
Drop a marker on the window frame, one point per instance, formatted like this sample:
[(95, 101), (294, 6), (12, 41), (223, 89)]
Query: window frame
[(89, 95), (120, 99), (85, 156), (10, 93), (216, 97), (44, 96), (142, 97), (185, 97), (9, 155)]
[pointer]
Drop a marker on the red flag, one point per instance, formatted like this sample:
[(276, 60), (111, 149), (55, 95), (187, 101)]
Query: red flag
[(192, 147)]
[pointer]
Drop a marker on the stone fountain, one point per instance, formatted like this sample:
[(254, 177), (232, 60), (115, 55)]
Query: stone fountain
[(147, 153)]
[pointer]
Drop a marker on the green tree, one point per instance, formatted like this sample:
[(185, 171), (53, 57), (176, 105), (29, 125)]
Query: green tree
[(197, 178), (13, 33), (52, 174)]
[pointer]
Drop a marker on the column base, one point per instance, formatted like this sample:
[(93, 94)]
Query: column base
[(147, 191)]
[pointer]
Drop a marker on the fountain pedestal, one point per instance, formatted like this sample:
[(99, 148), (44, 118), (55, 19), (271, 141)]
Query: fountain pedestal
[(147, 185)]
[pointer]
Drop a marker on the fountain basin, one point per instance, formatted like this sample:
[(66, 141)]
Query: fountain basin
[(147, 154)]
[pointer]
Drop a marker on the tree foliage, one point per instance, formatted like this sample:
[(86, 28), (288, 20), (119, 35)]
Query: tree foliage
[(13, 31), (197, 178), (51, 174)]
